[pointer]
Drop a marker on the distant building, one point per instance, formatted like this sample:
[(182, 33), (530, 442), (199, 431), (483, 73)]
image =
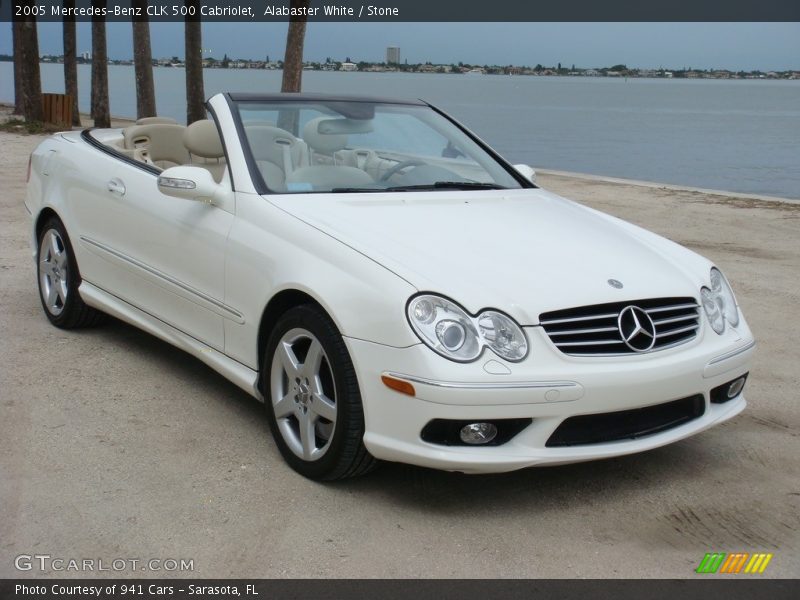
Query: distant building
[(348, 66), (393, 55)]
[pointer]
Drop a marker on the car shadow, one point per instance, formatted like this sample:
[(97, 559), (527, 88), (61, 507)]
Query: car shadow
[(183, 364), (577, 485), (555, 488)]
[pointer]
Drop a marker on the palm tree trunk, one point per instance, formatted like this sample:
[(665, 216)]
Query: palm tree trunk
[(195, 91), (100, 109), (143, 64), (30, 78), (16, 32), (71, 63), (293, 59)]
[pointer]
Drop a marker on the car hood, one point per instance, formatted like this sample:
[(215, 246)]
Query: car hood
[(521, 251)]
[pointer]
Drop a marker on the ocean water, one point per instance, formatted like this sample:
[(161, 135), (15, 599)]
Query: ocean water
[(736, 135)]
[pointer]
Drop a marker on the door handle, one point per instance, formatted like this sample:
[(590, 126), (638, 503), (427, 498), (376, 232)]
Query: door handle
[(115, 186)]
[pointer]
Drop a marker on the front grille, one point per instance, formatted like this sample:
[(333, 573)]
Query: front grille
[(594, 330), (627, 424)]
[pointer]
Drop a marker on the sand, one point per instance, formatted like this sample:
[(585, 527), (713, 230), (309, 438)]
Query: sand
[(114, 445)]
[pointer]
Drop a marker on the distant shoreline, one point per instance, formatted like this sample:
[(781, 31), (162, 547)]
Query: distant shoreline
[(472, 70)]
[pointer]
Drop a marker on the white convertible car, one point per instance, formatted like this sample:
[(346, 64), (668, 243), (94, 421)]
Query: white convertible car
[(387, 284)]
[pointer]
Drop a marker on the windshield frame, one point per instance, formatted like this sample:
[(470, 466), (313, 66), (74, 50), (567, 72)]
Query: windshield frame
[(258, 180)]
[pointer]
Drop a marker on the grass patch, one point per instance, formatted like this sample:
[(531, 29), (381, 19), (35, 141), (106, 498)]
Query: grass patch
[(31, 127)]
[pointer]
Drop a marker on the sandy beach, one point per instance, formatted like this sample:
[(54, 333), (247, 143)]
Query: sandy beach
[(113, 444)]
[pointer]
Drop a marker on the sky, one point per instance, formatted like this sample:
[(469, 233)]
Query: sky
[(734, 46)]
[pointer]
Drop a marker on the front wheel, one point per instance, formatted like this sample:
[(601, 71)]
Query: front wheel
[(313, 400)]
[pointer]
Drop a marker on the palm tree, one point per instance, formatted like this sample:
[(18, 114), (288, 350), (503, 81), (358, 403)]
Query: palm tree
[(143, 64), (293, 59), (195, 92), (100, 110), (71, 62), (289, 119), (31, 83), (16, 33)]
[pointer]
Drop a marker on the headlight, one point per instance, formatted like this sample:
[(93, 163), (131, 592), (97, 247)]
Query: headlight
[(447, 329), (502, 335), (719, 302)]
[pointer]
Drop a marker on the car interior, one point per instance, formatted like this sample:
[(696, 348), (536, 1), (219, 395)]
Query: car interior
[(285, 161), (321, 160), (163, 143)]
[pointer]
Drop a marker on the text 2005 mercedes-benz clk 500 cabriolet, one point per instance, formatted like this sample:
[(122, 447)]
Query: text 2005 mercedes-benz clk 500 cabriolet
[(387, 284)]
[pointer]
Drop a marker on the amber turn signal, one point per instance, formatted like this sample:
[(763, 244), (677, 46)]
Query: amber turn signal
[(398, 385)]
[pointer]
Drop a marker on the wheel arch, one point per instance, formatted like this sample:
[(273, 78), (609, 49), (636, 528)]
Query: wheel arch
[(46, 213), (277, 306)]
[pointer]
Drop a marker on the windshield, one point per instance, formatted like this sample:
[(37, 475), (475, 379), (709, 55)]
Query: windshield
[(354, 146)]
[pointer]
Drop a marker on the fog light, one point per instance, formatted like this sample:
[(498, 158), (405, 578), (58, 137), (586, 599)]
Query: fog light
[(478, 433), (728, 391), (735, 387)]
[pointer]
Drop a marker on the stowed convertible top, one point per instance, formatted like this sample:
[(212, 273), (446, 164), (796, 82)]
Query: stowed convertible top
[(315, 97)]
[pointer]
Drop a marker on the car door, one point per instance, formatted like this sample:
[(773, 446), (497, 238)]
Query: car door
[(162, 254)]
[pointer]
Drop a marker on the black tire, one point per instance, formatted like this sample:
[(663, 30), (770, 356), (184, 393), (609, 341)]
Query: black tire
[(69, 312), (344, 454)]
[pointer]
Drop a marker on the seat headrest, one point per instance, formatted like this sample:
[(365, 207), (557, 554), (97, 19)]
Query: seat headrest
[(324, 143), (156, 121), (137, 135), (267, 143), (201, 138)]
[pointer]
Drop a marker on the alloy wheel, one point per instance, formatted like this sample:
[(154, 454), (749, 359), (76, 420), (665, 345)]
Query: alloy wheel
[(303, 394), (53, 272)]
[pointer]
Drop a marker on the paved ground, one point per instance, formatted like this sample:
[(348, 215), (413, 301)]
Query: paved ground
[(114, 445)]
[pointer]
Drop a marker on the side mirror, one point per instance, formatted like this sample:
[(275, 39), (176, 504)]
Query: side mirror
[(190, 183), (527, 172)]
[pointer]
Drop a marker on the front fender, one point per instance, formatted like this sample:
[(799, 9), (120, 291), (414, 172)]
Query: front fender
[(270, 251)]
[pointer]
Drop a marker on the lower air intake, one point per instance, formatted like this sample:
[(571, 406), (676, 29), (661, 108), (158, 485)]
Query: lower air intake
[(626, 424)]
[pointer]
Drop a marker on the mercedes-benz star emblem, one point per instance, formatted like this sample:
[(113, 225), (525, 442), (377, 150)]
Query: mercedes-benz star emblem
[(636, 328), (615, 283)]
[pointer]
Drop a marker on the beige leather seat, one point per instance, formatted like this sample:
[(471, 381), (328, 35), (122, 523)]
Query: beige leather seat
[(325, 172), (202, 140), (276, 152), (332, 149), (322, 146), (160, 144)]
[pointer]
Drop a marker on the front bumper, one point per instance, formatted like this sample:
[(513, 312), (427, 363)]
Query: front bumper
[(547, 387)]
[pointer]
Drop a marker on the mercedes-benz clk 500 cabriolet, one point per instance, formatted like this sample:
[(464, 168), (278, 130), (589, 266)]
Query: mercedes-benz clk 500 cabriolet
[(387, 284)]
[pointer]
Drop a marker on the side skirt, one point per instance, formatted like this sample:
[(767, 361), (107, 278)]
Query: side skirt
[(235, 372)]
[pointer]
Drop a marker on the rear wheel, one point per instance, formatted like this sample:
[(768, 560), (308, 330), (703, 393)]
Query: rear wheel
[(313, 401), (59, 279)]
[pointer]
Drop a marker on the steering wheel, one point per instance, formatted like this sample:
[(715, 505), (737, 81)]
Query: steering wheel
[(400, 166)]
